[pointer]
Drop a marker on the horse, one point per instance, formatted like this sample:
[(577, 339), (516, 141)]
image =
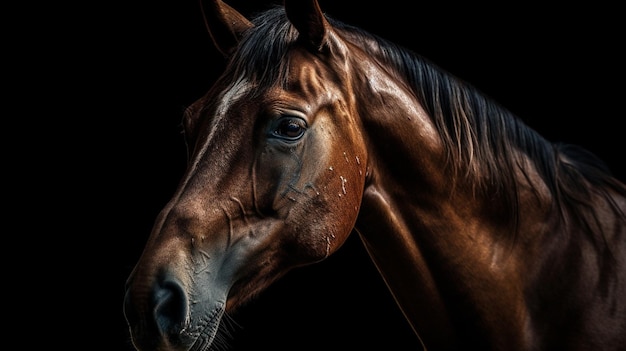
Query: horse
[(487, 235)]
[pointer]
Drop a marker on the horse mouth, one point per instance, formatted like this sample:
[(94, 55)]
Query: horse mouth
[(206, 330)]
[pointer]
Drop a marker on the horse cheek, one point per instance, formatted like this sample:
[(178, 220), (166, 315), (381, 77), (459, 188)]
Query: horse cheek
[(341, 201)]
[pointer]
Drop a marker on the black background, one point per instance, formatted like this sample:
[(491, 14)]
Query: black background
[(132, 67)]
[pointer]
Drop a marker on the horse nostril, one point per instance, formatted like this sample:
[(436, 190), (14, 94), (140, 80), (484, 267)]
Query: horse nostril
[(170, 308), (156, 315)]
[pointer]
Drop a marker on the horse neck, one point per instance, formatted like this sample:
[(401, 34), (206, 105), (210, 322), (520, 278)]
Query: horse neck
[(428, 237)]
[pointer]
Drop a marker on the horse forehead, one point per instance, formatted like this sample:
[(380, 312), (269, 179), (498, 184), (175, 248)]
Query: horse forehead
[(310, 76), (235, 91)]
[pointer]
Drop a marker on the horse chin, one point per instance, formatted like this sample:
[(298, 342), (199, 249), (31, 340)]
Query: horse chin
[(205, 331)]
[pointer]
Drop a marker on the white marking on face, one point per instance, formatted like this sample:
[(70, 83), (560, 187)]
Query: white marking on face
[(238, 89)]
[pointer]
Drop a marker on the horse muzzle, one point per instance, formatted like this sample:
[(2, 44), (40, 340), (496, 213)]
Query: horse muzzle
[(162, 317)]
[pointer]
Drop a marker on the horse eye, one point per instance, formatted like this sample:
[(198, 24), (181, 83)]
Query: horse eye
[(291, 128)]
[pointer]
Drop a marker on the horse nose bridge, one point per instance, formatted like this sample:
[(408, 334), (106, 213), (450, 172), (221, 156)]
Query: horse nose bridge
[(186, 233), (194, 220)]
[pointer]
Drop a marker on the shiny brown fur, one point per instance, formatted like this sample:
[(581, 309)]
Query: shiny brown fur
[(488, 236)]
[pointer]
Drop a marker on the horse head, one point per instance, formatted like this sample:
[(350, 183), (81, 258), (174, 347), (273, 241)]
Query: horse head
[(274, 179)]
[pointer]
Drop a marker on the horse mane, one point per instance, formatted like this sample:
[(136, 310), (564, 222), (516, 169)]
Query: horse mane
[(485, 143), (262, 54)]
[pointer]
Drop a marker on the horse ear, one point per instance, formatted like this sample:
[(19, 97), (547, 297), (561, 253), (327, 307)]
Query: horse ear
[(225, 25), (307, 17)]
